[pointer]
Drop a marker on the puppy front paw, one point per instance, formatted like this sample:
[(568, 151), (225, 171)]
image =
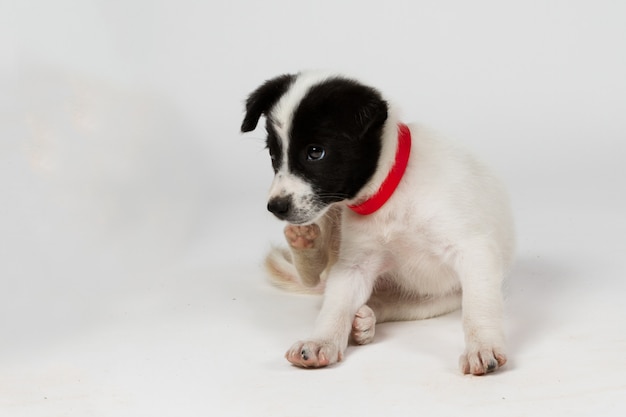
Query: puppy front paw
[(481, 360), (363, 326), (302, 237), (314, 354)]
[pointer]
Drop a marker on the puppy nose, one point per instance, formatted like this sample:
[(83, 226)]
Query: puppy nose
[(280, 206)]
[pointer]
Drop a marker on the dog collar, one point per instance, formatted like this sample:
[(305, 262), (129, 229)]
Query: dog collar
[(390, 183)]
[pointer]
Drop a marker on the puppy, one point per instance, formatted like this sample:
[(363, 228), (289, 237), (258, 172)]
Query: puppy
[(387, 220)]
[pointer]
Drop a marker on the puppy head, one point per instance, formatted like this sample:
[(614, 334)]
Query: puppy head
[(324, 135)]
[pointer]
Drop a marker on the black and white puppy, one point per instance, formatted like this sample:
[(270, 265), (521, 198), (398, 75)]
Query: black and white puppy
[(387, 220)]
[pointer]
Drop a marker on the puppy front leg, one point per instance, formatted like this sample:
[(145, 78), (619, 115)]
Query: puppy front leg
[(482, 308), (347, 289)]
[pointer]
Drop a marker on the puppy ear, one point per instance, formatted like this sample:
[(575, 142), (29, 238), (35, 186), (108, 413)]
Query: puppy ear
[(372, 114), (263, 99)]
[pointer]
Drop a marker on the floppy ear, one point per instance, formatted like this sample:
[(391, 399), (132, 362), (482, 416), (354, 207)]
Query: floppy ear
[(372, 114), (263, 98)]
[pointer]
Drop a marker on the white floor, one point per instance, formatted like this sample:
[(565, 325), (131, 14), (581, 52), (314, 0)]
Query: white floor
[(206, 335), (133, 222)]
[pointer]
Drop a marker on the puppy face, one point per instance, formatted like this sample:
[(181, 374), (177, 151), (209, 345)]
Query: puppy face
[(324, 137)]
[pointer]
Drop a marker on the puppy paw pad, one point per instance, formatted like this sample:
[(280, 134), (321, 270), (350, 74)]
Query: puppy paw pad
[(302, 237)]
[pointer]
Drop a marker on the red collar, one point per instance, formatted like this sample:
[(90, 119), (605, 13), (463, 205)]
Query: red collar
[(390, 183)]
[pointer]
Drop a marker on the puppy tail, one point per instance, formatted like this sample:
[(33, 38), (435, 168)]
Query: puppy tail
[(283, 273)]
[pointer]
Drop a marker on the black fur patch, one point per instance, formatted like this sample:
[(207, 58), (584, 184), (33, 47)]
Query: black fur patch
[(346, 119), (261, 101), (274, 145)]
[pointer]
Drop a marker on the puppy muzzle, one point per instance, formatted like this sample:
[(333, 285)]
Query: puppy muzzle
[(281, 207)]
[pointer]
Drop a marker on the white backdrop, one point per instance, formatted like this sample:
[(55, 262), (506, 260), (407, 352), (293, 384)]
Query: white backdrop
[(132, 219)]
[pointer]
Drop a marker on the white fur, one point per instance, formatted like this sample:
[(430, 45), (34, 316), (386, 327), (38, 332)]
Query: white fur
[(444, 239), (287, 184)]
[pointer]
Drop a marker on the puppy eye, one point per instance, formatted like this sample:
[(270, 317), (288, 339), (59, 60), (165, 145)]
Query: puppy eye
[(315, 153)]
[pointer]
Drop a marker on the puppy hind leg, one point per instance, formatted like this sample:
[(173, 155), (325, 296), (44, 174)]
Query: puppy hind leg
[(394, 306), (283, 273), (314, 247), (398, 309), (363, 326)]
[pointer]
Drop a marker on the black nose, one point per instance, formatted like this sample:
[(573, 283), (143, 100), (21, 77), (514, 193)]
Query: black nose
[(280, 206)]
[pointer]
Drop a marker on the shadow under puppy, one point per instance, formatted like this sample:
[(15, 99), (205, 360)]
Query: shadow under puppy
[(387, 220)]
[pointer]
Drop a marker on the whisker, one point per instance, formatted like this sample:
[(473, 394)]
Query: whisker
[(338, 196)]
